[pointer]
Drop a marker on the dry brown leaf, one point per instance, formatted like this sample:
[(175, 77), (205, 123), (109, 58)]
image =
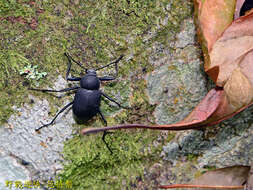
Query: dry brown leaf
[(231, 48), (229, 176), (224, 178), (214, 16), (232, 57), (249, 185)]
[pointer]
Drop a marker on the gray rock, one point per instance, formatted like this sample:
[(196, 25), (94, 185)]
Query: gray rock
[(178, 83), (42, 151), (223, 145), (11, 172)]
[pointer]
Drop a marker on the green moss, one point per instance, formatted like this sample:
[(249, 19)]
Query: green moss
[(171, 135), (203, 171), (93, 167), (192, 157), (94, 33), (16, 9), (11, 84), (119, 90)]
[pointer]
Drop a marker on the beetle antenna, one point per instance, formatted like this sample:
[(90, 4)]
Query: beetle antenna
[(78, 63), (114, 62)]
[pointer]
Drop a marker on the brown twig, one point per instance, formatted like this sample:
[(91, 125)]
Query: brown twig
[(135, 126)]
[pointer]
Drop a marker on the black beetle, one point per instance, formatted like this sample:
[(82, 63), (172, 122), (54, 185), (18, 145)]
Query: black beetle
[(247, 5), (87, 98)]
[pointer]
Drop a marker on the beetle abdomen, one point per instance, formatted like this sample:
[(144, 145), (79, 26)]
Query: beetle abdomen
[(86, 103)]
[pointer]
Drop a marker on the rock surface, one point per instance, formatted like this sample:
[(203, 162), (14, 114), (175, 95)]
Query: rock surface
[(179, 83), (42, 152)]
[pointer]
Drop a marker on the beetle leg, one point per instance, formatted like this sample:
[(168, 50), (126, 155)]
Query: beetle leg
[(106, 78), (46, 125), (105, 133), (62, 90), (106, 144), (69, 67), (109, 98), (102, 116)]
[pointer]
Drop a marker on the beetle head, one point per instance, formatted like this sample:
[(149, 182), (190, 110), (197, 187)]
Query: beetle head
[(91, 72)]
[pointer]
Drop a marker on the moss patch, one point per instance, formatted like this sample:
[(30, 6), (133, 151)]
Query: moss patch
[(93, 167)]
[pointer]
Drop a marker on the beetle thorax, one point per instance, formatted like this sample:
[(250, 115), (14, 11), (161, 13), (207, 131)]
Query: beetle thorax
[(90, 81)]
